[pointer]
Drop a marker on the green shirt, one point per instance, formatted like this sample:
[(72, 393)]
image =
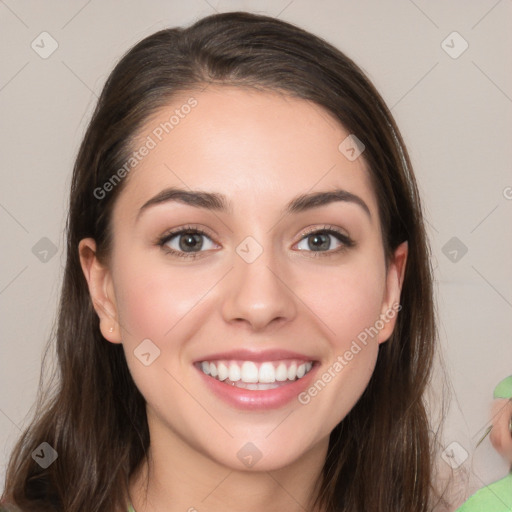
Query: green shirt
[(504, 388), (496, 497)]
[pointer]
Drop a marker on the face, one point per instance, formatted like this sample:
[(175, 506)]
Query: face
[(261, 323)]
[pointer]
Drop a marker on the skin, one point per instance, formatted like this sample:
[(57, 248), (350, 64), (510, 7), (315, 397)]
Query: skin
[(501, 436), (261, 150)]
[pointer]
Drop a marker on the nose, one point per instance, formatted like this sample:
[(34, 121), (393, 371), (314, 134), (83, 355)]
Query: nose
[(258, 294)]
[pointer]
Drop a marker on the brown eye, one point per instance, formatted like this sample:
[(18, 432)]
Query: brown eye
[(186, 242), (189, 241), (323, 241)]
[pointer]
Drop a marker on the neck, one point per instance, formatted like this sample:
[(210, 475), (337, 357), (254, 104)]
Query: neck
[(179, 478)]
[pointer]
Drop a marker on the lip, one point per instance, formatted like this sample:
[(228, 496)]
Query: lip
[(256, 356), (247, 399)]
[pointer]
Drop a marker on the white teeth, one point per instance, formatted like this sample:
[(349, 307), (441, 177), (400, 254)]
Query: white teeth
[(248, 372), (234, 372), (223, 371), (292, 371), (267, 373), (281, 373)]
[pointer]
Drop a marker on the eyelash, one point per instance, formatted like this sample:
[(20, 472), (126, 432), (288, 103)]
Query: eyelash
[(331, 230)]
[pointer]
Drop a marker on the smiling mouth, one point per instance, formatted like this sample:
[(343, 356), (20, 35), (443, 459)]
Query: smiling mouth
[(256, 376)]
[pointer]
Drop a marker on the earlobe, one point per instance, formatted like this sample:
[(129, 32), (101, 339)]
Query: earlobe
[(394, 281), (100, 286)]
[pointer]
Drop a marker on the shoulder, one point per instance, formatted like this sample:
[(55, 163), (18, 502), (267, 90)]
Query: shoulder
[(504, 388), (496, 497)]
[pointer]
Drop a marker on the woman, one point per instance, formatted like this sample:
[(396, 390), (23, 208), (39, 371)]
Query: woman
[(246, 319)]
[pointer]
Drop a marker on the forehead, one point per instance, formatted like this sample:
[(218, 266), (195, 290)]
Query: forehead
[(253, 146)]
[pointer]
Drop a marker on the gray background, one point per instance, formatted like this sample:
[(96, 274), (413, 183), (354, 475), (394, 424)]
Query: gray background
[(455, 115)]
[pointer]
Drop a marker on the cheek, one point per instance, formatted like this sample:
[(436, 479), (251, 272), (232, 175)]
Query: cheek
[(152, 300), (348, 300), (349, 312), (158, 304)]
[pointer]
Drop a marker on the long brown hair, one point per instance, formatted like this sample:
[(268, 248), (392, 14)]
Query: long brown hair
[(380, 455)]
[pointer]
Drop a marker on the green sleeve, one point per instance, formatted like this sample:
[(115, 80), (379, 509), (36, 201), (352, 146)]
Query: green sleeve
[(504, 388), (496, 497)]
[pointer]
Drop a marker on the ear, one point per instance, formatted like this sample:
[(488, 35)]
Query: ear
[(101, 290), (391, 300)]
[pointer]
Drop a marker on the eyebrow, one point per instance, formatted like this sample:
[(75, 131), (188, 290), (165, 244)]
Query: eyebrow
[(218, 202)]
